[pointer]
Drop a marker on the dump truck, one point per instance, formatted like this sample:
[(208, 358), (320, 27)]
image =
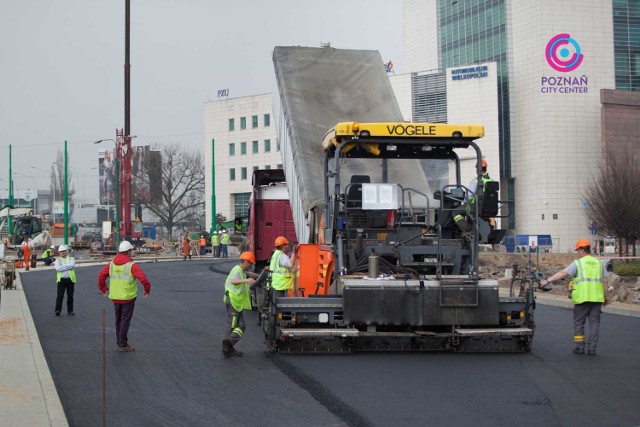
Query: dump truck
[(389, 235)]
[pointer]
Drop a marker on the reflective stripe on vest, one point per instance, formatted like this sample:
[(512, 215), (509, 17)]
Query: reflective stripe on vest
[(587, 285), (472, 201), (72, 272), (122, 284), (281, 277), (237, 295)]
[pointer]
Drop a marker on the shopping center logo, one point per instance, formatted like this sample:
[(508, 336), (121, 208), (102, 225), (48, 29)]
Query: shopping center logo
[(563, 53)]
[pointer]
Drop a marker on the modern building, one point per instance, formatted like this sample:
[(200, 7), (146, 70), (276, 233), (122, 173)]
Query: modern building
[(244, 139), (553, 63)]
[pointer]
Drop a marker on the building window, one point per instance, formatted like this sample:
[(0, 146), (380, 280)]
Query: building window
[(267, 120), (278, 146), (243, 173), (279, 166), (240, 204), (255, 168), (232, 124), (232, 174), (232, 149), (243, 122), (254, 147), (267, 145), (254, 121), (243, 148), (268, 167)]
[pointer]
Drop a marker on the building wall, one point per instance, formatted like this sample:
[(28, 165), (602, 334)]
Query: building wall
[(620, 115), (216, 126), (401, 85), (555, 135), (420, 34)]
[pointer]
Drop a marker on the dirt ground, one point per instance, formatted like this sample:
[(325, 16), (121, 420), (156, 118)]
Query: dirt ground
[(495, 265)]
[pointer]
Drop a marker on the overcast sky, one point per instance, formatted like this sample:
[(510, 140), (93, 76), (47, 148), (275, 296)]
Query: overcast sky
[(62, 67)]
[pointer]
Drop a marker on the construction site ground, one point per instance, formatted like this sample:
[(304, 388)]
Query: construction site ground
[(498, 266)]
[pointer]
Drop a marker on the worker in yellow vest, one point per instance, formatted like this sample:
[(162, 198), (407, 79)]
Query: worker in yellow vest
[(123, 290), (237, 299), (224, 242), (588, 295), (281, 267), (66, 279), (215, 245)]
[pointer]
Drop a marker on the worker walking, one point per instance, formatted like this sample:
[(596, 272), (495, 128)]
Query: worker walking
[(66, 279), (47, 256), (236, 299), (186, 248), (281, 268), (123, 290), (588, 295), (224, 242), (215, 245), (203, 245)]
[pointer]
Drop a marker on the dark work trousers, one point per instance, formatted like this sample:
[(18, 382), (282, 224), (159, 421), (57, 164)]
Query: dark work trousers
[(235, 325), (65, 284), (582, 312), (124, 313)]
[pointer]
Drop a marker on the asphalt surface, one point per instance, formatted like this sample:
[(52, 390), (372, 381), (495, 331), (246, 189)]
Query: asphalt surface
[(178, 375)]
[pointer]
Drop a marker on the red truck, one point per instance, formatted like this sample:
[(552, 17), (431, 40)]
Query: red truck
[(269, 214)]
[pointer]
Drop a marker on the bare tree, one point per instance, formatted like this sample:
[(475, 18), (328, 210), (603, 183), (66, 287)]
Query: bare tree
[(56, 186), (613, 197), (181, 188)]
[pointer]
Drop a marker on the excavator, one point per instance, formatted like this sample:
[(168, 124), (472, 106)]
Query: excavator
[(25, 223)]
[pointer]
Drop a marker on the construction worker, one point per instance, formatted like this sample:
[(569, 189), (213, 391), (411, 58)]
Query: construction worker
[(26, 251), (588, 295), (66, 279), (215, 245), (462, 219), (186, 248), (47, 255), (224, 242), (203, 245), (281, 267), (123, 290), (236, 299)]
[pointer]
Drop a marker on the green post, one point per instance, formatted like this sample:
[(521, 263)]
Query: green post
[(66, 199), (213, 187), (10, 195)]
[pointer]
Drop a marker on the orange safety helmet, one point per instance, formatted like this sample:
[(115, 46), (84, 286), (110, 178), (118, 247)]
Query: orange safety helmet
[(582, 243), (281, 240), (248, 256)]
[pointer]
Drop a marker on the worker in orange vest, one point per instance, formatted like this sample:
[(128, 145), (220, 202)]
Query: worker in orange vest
[(203, 245)]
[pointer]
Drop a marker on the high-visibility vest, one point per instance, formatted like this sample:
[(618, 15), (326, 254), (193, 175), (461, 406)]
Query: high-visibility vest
[(588, 285), (46, 254), (214, 240), (203, 242), (237, 295), (281, 277), (122, 284), (72, 272), (224, 239), (472, 201)]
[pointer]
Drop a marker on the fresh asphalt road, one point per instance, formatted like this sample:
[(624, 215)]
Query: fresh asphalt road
[(178, 376)]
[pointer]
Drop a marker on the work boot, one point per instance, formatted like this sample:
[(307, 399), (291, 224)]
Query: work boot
[(591, 352), (127, 348), (227, 348), (235, 353), (578, 350)]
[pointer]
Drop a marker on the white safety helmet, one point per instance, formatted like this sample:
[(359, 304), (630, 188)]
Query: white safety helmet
[(52, 247), (62, 248), (125, 246)]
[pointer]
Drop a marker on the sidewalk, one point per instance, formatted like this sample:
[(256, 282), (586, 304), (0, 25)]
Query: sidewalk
[(28, 396)]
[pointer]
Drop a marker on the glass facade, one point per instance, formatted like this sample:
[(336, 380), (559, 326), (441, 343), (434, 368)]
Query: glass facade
[(472, 31), (241, 204), (626, 43)]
